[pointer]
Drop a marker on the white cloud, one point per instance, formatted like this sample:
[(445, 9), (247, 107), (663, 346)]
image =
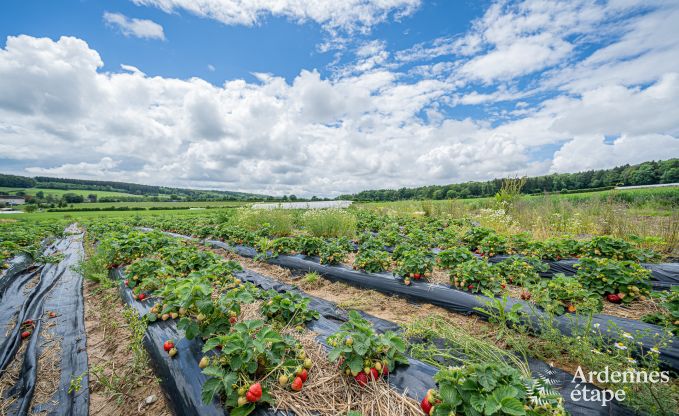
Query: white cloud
[(625, 149), (346, 15), (101, 169), (368, 126), (140, 28), (211, 68)]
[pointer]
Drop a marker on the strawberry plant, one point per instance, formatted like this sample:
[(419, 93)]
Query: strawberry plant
[(616, 249), (287, 308), (669, 314), (415, 264), (451, 257), (560, 248), (236, 235), (563, 294), (474, 236), (490, 389), (372, 261), (364, 354), (147, 269), (310, 246), (276, 247), (520, 271), (245, 359), (476, 276), (200, 315), (624, 280), (519, 243), (334, 251), (491, 245)]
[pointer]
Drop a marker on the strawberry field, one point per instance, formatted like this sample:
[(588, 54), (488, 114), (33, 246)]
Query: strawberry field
[(357, 312)]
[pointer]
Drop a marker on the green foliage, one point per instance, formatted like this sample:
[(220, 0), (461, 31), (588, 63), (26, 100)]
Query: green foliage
[(520, 271), (492, 389), (669, 314), (451, 257), (606, 276), (247, 353), (288, 309), (415, 263), (563, 294), (329, 223), (335, 251), (372, 261), (357, 346), (476, 276)]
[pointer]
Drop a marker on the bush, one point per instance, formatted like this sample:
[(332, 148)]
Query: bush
[(329, 223)]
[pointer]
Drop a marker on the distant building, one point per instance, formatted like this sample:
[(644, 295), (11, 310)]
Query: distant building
[(12, 200)]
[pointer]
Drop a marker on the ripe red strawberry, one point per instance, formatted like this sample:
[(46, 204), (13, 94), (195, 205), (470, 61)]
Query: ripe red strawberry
[(417, 275), (470, 287), (303, 374), (168, 345), (297, 384), (127, 283), (52, 314), (28, 322), (233, 320), (374, 374), (426, 406), (504, 286), (385, 370), (25, 334), (613, 298), (362, 379), (254, 393), (141, 296)]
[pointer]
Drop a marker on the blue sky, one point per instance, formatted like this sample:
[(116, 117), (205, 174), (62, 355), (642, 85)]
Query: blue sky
[(331, 97)]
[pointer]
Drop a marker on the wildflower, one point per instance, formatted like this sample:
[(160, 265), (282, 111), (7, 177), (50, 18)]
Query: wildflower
[(627, 335), (596, 351), (631, 361), (596, 325), (654, 350), (620, 346)]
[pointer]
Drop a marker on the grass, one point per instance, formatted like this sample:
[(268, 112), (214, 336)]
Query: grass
[(90, 215), (650, 213), (329, 223), (278, 222)]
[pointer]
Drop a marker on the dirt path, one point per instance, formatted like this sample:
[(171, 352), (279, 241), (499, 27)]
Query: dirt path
[(120, 379)]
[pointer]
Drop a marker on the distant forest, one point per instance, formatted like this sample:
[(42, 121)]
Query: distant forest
[(647, 173), (14, 181)]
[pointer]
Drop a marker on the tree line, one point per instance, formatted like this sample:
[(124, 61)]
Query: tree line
[(647, 173)]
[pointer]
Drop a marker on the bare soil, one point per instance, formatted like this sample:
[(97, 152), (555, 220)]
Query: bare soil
[(115, 386)]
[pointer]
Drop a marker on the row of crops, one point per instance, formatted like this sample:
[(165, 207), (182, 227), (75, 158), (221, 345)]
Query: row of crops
[(607, 271), (223, 338), (254, 345)]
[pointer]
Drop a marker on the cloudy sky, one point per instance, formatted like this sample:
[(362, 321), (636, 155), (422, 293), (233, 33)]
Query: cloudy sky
[(327, 97)]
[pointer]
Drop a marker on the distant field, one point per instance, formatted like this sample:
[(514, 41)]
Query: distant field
[(164, 204), (60, 192), (37, 216)]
